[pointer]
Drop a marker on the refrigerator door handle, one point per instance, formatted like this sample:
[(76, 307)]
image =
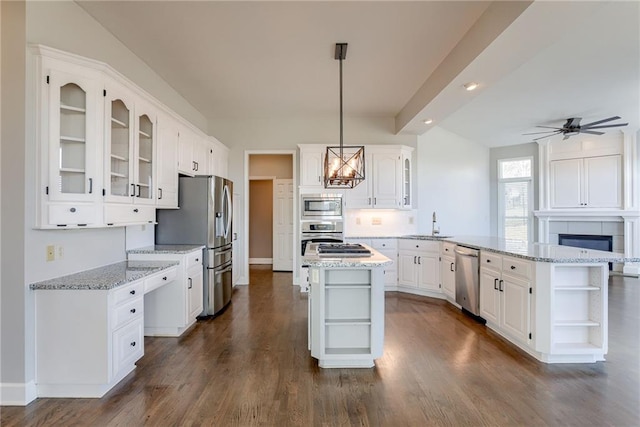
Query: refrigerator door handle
[(217, 272), (227, 211)]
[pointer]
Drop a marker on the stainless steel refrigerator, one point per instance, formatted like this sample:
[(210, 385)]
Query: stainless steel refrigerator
[(204, 218)]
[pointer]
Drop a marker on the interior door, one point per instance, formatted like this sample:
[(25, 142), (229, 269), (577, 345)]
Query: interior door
[(282, 225)]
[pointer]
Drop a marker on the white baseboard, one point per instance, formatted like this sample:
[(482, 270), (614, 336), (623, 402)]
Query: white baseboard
[(17, 394), (260, 260), (632, 269)]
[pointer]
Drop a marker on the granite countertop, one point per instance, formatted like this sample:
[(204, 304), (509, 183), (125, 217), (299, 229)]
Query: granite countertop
[(106, 277), (312, 259), (165, 249), (540, 252)]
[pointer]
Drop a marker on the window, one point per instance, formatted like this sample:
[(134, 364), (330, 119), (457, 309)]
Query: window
[(515, 198)]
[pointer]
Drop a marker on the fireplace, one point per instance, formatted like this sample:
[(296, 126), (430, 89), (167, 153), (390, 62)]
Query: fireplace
[(600, 243)]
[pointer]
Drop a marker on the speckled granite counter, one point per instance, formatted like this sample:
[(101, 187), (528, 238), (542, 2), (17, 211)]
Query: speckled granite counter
[(312, 259), (539, 252), (165, 249), (104, 278)]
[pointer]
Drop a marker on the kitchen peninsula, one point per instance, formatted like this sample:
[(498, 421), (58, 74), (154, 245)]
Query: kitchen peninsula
[(551, 301), (346, 307)]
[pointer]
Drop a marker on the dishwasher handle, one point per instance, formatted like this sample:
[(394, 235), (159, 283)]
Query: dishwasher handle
[(466, 251)]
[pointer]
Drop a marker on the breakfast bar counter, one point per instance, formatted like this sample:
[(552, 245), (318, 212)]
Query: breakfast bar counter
[(346, 307)]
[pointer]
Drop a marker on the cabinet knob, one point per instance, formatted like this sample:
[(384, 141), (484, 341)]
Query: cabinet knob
[(197, 259), (133, 344), (132, 292), (136, 210), (72, 210), (133, 310), (488, 260), (164, 278), (513, 267)]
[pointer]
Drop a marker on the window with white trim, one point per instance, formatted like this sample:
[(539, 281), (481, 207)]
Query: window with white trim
[(515, 198)]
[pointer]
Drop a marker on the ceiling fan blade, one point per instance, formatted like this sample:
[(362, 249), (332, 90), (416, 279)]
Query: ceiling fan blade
[(545, 131), (547, 136), (549, 127), (573, 121), (605, 126), (591, 132), (600, 121)]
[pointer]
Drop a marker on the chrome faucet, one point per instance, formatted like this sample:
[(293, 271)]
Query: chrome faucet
[(434, 230)]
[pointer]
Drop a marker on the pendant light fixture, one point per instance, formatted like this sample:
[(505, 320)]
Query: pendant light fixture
[(343, 165)]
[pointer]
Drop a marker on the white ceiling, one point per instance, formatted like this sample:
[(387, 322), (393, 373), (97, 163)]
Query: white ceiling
[(275, 59)]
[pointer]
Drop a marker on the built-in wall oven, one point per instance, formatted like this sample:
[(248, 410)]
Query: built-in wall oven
[(321, 206), (320, 231)]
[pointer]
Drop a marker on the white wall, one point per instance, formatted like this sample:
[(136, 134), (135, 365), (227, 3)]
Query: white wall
[(453, 180), (13, 347)]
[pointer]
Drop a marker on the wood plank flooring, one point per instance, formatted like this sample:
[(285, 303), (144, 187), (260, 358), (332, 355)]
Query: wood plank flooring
[(251, 366)]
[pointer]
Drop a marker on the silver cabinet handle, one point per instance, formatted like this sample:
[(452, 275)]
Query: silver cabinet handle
[(451, 267), (495, 284), (190, 283), (501, 288)]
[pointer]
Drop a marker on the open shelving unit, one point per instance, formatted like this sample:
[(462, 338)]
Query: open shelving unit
[(579, 307), (347, 316)]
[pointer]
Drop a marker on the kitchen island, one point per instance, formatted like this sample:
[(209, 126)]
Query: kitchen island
[(346, 308)]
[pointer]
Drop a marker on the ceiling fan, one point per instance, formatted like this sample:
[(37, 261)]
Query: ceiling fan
[(573, 127)]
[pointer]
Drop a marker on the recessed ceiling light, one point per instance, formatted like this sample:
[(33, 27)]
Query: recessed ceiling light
[(428, 121), (471, 86)]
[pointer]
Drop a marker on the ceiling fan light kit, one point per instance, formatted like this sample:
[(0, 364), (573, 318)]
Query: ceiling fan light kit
[(343, 165), (573, 127)]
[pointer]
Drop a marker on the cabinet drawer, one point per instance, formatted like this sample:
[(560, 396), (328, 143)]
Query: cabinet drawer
[(129, 292), (384, 244), (128, 345), (159, 279), (194, 259), (490, 260), (72, 214), (515, 266), (419, 245), (128, 214), (127, 312), (448, 248)]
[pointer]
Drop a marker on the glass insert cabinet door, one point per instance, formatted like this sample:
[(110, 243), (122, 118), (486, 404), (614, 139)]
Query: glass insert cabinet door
[(146, 145), (120, 184), (73, 139)]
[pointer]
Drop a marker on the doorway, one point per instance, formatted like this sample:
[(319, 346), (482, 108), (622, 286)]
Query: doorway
[(271, 210)]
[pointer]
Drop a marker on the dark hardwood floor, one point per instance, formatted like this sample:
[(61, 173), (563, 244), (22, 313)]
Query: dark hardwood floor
[(250, 366)]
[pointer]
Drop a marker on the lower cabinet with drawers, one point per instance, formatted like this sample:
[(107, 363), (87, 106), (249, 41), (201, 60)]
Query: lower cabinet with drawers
[(87, 340)]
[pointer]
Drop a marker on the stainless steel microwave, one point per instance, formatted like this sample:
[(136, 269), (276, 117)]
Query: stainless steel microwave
[(321, 206)]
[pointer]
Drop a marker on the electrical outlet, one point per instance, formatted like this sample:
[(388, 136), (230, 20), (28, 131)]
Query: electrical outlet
[(376, 221), (51, 253), (358, 221), (410, 220), (59, 252)]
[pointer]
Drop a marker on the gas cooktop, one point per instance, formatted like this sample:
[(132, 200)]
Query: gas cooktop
[(343, 249)]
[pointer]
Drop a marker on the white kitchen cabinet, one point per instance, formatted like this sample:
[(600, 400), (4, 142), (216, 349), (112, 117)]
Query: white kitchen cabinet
[(591, 182), (69, 170), (172, 309), (387, 183), (312, 166), (167, 160), (87, 340), (419, 267), (448, 270), (505, 295), (218, 158), (193, 154)]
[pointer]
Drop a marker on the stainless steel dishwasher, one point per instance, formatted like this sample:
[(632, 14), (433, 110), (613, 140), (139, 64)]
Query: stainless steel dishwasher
[(467, 279)]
